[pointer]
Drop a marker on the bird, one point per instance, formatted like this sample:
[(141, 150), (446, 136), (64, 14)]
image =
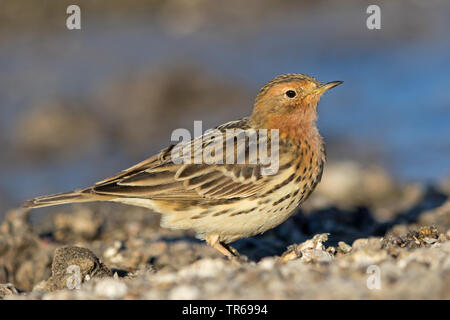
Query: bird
[(224, 202)]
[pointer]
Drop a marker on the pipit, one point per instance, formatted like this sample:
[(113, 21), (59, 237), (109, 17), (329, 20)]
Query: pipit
[(224, 202)]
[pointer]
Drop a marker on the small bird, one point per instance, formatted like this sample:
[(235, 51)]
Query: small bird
[(224, 202)]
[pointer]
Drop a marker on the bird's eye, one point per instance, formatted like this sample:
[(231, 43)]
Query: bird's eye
[(291, 93)]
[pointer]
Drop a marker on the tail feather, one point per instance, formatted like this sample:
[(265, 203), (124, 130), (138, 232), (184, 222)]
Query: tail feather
[(83, 195)]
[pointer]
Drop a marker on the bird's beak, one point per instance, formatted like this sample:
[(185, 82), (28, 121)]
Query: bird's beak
[(325, 87)]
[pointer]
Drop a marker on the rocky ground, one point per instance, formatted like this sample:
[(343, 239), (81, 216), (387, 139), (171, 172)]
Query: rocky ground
[(393, 244)]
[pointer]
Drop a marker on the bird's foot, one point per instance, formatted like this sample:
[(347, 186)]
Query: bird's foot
[(231, 253)]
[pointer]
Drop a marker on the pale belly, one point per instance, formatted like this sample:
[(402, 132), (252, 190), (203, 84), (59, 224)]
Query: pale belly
[(239, 218), (245, 217)]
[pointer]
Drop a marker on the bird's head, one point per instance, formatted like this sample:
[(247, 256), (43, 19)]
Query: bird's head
[(289, 102)]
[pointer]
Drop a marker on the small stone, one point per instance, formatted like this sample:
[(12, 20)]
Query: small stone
[(74, 265), (205, 268), (184, 292), (430, 240), (442, 238), (359, 244), (343, 247), (112, 251), (310, 250), (111, 288), (267, 264), (331, 250), (315, 255), (7, 289), (40, 286), (17, 222)]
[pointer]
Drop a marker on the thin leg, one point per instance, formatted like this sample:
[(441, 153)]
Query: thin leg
[(231, 249), (225, 249)]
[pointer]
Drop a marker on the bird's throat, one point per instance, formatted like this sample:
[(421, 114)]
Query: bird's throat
[(297, 126)]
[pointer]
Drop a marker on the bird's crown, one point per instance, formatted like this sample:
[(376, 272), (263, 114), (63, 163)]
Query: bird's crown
[(283, 79)]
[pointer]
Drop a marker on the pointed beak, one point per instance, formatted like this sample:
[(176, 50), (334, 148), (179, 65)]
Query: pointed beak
[(325, 87)]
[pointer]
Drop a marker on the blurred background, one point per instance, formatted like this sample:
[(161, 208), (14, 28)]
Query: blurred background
[(80, 105)]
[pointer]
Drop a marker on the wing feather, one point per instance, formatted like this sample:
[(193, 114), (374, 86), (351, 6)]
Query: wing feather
[(160, 178)]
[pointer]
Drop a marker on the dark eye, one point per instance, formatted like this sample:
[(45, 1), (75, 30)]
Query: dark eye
[(291, 93)]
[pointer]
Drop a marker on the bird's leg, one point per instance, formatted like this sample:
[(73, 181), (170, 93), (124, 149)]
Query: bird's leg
[(235, 256), (225, 249), (231, 249)]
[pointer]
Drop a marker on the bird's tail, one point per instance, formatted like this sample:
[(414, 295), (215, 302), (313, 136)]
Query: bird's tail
[(83, 195)]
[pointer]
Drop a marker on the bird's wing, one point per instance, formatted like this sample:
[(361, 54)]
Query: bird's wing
[(141, 166), (161, 177)]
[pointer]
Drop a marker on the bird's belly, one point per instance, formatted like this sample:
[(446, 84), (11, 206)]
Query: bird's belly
[(242, 218)]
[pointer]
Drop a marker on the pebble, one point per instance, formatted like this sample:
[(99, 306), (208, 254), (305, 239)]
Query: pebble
[(111, 288)]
